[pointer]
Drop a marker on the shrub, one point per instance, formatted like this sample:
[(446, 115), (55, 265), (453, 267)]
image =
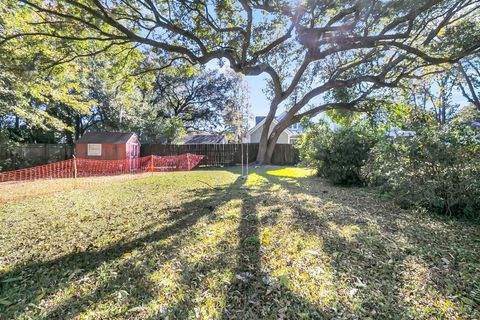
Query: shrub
[(7, 147), (10, 157), (438, 169), (338, 155)]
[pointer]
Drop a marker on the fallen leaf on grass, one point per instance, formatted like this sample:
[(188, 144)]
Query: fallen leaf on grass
[(312, 252), (136, 309), (353, 292), (244, 276)]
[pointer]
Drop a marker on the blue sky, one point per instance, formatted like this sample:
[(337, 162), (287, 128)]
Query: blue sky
[(258, 99)]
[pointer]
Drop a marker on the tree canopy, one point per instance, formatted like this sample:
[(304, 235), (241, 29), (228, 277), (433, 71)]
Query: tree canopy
[(202, 101), (311, 50)]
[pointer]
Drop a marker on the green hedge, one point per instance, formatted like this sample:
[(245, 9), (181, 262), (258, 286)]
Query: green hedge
[(438, 168)]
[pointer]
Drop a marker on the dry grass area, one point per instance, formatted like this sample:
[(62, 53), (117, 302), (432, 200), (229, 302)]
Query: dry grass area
[(209, 245)]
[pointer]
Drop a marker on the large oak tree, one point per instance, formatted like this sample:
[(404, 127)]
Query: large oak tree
[(318, 54)]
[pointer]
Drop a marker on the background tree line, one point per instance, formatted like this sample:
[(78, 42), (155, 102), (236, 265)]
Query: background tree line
[(161, 109), (46, 96)]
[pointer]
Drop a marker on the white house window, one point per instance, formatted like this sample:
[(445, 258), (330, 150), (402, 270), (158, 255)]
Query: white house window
[(94, 149)]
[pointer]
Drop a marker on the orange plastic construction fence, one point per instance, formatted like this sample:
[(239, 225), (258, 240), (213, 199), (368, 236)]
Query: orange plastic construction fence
[(87, 167)]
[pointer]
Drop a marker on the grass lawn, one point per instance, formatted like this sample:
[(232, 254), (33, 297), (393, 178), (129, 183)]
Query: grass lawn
[(208, 245)]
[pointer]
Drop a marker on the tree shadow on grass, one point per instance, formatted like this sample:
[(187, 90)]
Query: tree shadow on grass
[(360, 257), (121, 271), (250, 293), (43, 279), (390, 258), (253, 293)]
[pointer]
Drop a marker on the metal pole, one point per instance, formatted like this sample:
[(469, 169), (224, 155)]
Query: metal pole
[(248, 145), (241, 149)]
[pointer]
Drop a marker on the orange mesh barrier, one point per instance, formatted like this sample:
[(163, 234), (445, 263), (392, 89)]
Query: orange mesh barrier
[(87, 167)]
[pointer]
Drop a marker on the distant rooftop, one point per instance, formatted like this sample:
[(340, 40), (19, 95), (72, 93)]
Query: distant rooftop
[(259, 119), (106, 137), (206, 139), (296, 128)]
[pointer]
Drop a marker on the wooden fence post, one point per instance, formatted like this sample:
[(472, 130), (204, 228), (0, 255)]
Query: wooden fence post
[(151, 164)]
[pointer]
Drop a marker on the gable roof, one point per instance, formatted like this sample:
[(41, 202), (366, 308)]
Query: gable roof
[(274, 123), (106, 137), (259, 119), (206, 139)]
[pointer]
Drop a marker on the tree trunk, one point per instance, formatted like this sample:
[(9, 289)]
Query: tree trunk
[(262, 150), (78, 128), (68, 137), (265, 152), (264, 139), (271, 140)]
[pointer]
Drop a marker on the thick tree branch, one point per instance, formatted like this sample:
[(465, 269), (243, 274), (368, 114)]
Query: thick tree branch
[(472, 97)]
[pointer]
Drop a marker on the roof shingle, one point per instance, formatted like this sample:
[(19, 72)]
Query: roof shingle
[(206, 139), (106, 137)]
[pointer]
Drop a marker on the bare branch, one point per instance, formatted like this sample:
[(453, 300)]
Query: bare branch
[(472, 97)]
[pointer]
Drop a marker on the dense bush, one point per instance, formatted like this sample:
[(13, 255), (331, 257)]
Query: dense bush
[(438, 169), (7, 147), (338, 155)]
